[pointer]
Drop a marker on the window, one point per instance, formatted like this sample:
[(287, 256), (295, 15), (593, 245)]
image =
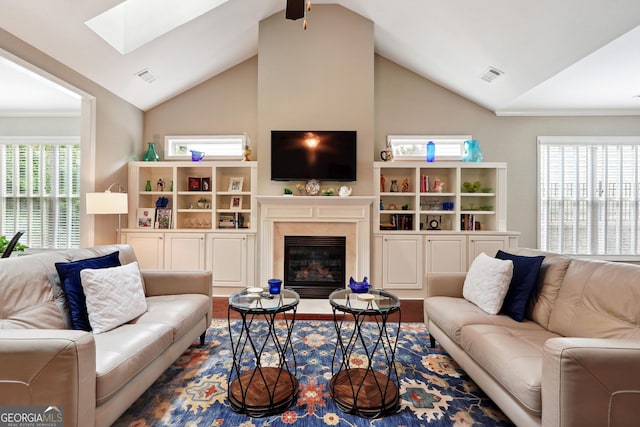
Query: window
[(222, 147), (588, 199), (40, 190), (414, 147)]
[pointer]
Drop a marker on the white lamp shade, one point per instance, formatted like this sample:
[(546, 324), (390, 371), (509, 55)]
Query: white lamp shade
[(107, 203)]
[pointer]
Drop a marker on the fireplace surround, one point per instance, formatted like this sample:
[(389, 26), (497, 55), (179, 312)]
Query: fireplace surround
[(347, 217)]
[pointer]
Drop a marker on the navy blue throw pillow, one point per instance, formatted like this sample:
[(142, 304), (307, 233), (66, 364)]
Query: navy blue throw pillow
[(526, 270), (69, 273)]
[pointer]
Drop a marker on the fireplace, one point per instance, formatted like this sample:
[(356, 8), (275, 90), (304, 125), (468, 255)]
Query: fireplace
[(314, 266)]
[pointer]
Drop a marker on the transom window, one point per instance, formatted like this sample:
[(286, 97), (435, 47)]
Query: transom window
[(219, 147), (414, 147), (40, 190), (588, 196)]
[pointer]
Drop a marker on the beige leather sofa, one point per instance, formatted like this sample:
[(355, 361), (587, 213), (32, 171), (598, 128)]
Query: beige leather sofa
[(575, 361), (93, 378)]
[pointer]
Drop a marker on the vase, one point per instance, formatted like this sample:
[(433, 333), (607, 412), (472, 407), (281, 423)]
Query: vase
[(151, 155), (147, 187), (431, 151), (472, 151)]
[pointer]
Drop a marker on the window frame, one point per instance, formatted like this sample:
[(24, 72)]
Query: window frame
[(396, 141), (586, 141), (176, 147), (46, 235)]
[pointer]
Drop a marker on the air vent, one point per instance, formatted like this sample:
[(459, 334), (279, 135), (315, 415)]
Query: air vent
[(491, 74), (146, 75)]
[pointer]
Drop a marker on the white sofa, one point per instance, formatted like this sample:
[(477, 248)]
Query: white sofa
[(573, 362), (93, 378)]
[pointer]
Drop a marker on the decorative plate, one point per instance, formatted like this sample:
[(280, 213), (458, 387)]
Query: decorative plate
[(313, 187)]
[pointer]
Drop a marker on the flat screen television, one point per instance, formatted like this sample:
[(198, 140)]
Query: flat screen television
[(322, 155)]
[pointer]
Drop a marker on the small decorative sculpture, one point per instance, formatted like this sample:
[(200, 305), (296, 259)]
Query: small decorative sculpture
[(438, 186), (394, 186), (344, 191), (382, 183), (160, 184), (405, 185)]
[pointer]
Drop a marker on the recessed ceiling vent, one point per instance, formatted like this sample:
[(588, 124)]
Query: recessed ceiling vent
[(146, 75), (491, 74)]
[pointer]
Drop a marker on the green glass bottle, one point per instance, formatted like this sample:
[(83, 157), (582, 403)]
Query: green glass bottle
[(147, 187), (151, 155)]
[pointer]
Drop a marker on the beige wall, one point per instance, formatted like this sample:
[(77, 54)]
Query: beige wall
[(408, 103), (118, 128), (318, 79), (295, 83)]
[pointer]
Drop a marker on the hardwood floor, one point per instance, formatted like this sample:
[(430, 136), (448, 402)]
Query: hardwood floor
[(411, 311)]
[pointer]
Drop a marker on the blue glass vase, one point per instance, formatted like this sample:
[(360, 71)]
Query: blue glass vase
[(431, 151), (472, 151)]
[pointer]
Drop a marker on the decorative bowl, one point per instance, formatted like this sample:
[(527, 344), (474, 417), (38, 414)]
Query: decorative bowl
[(359, 287), (196, 155)]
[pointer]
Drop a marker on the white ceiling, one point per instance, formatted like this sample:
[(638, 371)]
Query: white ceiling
[(558, 57)]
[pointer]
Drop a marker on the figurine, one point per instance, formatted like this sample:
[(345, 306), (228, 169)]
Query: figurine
[(394, 186), (160, 184), (405, 185), (344, 191), (438, 186), (382, 183)]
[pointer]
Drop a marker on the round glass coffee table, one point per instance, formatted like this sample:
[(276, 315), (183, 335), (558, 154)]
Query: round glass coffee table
[(262, 379), (365, 379)]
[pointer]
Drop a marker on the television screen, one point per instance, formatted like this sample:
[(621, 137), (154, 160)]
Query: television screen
[(321, 155)]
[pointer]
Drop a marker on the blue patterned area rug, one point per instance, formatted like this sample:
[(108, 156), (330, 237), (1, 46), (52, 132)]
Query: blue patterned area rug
[(434, 391)]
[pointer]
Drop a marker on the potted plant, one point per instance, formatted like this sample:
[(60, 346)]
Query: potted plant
[(4, 242)]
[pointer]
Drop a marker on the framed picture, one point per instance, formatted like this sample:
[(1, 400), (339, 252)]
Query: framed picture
[(163, 218), (206, 183), (235, 184), (195, 183), (146, 216), (236, 203)]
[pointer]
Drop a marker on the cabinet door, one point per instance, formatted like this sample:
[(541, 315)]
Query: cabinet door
[(445, 254), (487, 244), (227, 259), (184, 251), (402, 266), (149, 249)]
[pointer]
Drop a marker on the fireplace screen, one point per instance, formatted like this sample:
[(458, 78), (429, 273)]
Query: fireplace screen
[(314, 266)]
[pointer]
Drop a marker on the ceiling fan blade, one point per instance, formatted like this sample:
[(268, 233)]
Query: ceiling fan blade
[(295, 9)]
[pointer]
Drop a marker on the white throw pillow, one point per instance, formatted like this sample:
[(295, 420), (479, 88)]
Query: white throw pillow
[(487, 282), (114, 296)]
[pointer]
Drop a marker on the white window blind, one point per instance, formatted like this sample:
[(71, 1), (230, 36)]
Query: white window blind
[(589, 196), (40, 191)]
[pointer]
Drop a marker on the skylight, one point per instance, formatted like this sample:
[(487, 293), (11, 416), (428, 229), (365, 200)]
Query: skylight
[(134, 23)]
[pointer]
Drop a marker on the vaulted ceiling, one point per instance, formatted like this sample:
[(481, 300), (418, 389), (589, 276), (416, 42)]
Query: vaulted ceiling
[(557, 57)]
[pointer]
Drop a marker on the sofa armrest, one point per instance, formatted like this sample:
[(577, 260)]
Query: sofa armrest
[(588, 381), (444, 284), (50, 367), (168, 282)]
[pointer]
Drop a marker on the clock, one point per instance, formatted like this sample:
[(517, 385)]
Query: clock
[(434, 223), (313, 187)]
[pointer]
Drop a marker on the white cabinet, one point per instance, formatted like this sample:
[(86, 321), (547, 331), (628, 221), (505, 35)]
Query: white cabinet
[(148, 247), (436, 217), (445, 253), (402, 262), (184, 251), (230, 258), (489, 244)]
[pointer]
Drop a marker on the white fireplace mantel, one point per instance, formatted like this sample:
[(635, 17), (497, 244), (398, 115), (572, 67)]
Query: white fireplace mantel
[(315, 215)]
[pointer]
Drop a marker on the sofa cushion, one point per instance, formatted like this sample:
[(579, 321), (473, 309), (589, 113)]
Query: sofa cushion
[(125, 351), (598, 300), (451, 314), (523, 283), (512, 356), (179, 312), (114, 295), (70, 277), (552, 272), (487, 282)]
